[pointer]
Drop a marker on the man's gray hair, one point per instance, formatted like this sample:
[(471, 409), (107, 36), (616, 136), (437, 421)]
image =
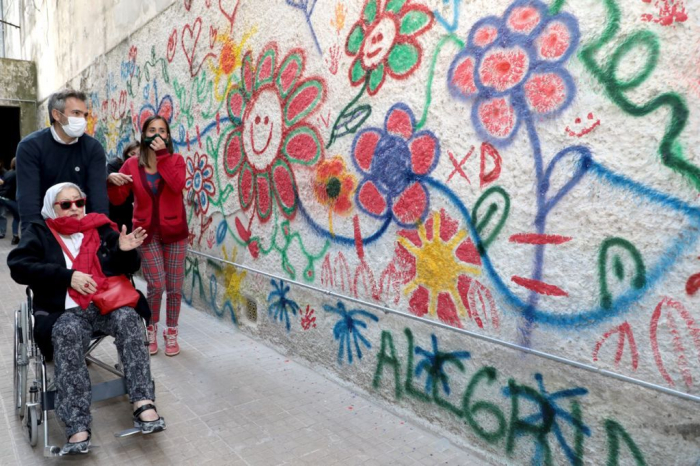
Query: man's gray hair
[(58, 100)]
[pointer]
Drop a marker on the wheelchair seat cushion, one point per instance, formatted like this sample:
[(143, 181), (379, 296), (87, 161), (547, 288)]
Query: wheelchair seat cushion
[(43, 325)]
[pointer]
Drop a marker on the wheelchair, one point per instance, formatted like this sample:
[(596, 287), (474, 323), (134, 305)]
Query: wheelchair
[(34, 392)]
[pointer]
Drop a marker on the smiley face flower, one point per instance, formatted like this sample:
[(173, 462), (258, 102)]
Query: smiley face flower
[(270, 113), (383, 41)]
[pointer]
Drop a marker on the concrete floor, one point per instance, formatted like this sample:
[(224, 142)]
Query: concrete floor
[(227, 400)]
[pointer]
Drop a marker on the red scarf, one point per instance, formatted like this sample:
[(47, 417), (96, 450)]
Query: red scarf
[(86, 261)]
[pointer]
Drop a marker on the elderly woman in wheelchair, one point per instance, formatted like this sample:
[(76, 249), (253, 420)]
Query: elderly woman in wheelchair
[(70, 261)]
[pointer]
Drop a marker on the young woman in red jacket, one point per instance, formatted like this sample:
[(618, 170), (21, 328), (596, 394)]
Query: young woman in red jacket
[(157, 178)]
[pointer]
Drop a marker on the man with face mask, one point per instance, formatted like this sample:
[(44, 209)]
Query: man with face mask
[(61, 153)]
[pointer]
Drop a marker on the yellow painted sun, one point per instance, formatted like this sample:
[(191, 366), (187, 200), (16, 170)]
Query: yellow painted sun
[(230, 60), (437, 266), (233, 279)]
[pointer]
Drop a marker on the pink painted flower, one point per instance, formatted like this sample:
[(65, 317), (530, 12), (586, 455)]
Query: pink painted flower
[(503, 69), (498, 117), (394, 162), (270, 112), (545, 92), (514, 68)]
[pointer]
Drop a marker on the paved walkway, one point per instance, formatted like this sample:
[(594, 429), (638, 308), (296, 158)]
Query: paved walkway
[(228, 400)]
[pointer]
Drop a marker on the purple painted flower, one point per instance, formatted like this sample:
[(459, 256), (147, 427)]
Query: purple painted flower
[(394, 162), (514, 67)]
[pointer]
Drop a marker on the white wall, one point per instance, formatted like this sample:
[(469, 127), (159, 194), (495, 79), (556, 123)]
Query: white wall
[(65, 38), (616, 285)]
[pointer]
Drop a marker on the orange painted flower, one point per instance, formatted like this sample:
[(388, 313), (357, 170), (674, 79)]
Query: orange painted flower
[(334, 185)]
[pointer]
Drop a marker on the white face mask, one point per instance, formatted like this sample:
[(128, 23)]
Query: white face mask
[(75, 127)]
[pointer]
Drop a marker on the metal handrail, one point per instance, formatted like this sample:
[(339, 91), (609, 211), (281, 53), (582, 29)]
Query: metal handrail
[(506, 344)]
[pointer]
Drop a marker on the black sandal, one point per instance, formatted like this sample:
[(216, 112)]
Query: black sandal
[(76, 448), (148, 427)]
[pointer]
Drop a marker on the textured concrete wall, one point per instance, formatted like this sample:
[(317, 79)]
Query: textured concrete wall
[(65, 38), (524, 171), (18, 89)]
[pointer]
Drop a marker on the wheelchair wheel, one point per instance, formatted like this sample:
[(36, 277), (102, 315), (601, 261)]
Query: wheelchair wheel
[(31, 425), (20, 365)]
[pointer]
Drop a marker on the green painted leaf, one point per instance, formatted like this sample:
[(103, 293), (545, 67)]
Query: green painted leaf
[(357, 72), (414, 21), (376, 78), (357, 35), (395, 6), (403, 58), (370, 13)]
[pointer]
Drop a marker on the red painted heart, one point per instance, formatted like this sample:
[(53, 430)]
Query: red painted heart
[(212, 36), (172, 46), (231, 17), (188, 5), (189, 39), (190, 36)]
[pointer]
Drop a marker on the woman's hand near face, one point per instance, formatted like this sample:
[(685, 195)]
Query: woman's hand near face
[(83, 283), (158, 144)]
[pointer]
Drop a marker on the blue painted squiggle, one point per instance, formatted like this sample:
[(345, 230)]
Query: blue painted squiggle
[(621, 304), (450, 27), (307, 7), (340, 239)]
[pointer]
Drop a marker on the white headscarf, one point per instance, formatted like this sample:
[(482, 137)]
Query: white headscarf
[(72, 242), (50, 197)]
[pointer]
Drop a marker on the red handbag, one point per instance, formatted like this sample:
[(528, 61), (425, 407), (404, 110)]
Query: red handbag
[(118, 290)]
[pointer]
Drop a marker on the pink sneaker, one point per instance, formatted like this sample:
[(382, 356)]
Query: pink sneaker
[(152, 340), (171, 346)]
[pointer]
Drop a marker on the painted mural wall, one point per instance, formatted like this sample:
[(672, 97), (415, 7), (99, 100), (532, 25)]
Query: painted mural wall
[(522, 170)]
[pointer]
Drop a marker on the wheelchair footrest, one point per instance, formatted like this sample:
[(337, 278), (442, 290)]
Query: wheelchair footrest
[(127, 432)]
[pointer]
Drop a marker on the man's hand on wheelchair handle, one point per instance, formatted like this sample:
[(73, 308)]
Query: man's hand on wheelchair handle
[(119, 179)]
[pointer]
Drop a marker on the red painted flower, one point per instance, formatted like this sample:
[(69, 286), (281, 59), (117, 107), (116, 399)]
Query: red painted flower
[(270, 113), (384, 42), (334, 186), (513, 66), (441, 262), (394, 162)]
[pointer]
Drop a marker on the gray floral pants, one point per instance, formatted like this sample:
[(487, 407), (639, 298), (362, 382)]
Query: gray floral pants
[(71, 338)]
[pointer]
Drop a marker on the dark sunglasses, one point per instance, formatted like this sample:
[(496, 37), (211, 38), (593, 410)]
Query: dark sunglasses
[(66, 205)]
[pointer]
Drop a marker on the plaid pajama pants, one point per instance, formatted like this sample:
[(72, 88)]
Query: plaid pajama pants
[(163, 268)]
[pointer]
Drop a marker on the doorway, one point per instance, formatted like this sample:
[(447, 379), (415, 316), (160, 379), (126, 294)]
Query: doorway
[(9, 134)]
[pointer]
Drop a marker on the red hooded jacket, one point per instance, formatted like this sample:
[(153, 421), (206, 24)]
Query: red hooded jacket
[(163, 212)]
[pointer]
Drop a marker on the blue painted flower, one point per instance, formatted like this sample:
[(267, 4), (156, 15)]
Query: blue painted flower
[(434, 363), (280, 304), (199, 184), (557, 412), (349, 327), (394, 162), (514, 67)]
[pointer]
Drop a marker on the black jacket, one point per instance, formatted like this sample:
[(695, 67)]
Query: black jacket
[(38, 261), (42, 162), (8, 189)]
